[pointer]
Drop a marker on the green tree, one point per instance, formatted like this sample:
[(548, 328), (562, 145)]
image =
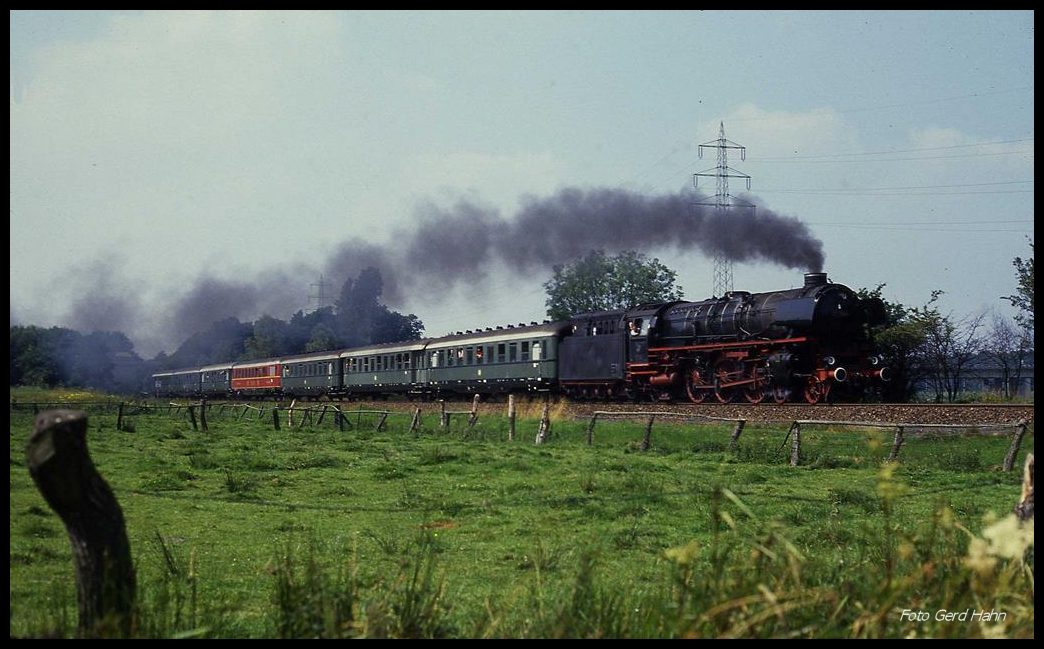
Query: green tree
[(269, 339), (322, 339), (900, 340), (1023, 298), (598, 282)]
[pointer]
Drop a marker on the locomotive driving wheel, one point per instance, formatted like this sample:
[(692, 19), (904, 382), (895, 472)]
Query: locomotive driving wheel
[(696, 385), (816, 390), (724, 372), (755, 392)]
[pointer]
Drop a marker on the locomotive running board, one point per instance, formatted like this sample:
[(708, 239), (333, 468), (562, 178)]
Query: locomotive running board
[(746, 343)]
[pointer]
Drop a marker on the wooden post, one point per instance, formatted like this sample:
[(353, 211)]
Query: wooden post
[(1016, 442), (119, 417), (444, 422), (380, 424), (734, 440), (415, 422), (647, 440), (203, 415), (1024, 508), (275, 417), (511, 417), (290, 414), (321, 415), (545, 425), (62, 470), (474, 411), (590, 429), (893, 456), (246, 409), (795, 445), (192, 416)]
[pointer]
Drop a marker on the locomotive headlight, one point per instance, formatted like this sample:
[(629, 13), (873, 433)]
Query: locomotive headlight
[(830, 360), (840, 374), (874, 360)]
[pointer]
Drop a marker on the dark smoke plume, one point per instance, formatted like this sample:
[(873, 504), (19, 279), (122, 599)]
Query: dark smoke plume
[(446, 246)]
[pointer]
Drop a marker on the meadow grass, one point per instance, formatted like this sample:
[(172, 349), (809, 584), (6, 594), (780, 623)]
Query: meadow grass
[(244, 531)]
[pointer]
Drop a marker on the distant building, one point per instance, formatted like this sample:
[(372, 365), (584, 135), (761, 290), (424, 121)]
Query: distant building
[(984, 373)]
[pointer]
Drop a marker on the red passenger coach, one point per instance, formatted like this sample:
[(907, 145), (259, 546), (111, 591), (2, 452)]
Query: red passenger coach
[(261, 377)]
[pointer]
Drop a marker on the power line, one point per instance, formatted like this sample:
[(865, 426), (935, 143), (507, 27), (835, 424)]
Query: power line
[(931, 148), (1003, 182), (838, 192), (975, 222), (937, 157), (880, 107)]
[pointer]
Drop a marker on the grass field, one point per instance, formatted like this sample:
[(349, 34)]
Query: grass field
[(244, 531)]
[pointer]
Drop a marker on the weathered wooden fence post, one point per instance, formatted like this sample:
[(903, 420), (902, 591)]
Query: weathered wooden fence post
[(444, 422), (899, 439), (734, 440), (474, 411), (322, 414), (61, 467), (511, 417), (192, 416), (290, 414), (415, 422), (275, 417), (119, 417), (203, 415), (647, 440), (590, 429), (384, 418), (1016, 442), (1024, 508), (545, 425), (795, 445)]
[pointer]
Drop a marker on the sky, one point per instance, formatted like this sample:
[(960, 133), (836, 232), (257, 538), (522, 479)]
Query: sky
[(219, 162)]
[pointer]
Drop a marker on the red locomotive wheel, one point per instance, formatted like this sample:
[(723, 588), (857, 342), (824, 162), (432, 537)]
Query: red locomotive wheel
[(693, 379), (721, 375), (756, 391), (816, 390), (754, 394)]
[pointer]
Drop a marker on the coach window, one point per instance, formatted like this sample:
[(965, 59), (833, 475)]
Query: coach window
[(513, 352), (469, 356), (525, 350), (536, 351), (500, 352)]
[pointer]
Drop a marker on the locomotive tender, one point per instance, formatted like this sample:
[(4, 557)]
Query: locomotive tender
[(806, 343)]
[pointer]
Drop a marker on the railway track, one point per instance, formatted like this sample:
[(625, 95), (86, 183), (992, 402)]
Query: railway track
[(914, 413), (919, 413)]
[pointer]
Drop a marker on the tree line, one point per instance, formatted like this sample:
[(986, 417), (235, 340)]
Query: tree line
[(59, 356)]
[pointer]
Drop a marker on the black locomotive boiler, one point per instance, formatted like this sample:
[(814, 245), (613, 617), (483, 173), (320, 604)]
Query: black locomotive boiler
[(802, 343)]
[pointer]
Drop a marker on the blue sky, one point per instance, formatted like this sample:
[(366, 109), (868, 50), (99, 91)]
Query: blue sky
[(151, 149)]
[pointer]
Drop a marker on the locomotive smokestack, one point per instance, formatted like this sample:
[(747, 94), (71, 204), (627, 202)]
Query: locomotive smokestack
[(815, 279)]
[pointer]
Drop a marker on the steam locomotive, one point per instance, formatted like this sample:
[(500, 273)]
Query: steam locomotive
[(810, 343)]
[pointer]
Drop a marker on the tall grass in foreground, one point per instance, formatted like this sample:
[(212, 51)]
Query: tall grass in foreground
[(749, 581)]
